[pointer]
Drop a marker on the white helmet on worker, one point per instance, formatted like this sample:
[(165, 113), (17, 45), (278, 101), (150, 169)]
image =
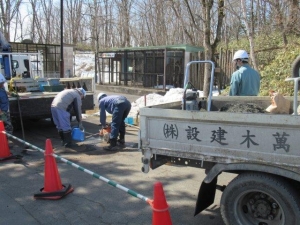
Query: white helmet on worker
[(82, 91), (2, 78), (241, 54), (101, 95)]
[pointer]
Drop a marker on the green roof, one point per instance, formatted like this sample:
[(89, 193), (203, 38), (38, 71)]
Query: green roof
[(185, 47)]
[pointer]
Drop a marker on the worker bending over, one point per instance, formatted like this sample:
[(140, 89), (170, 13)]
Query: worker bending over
[(119, 107), (61, 106)]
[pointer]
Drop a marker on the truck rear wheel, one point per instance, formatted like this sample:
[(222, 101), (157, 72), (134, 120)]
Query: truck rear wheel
[(260, 199)]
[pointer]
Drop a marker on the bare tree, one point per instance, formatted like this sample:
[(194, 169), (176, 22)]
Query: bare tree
[(149, 15), (293, 23), (210, 47), (175, 5), (249, 24), (140, 31), (8, 11), (124, 7), (73, 20)]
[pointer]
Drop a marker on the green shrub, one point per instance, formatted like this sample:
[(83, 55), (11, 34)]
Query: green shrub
[(274, 74)]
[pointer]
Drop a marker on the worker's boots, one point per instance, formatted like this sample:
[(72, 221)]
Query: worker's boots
[(121, 140), (112, 145), (67, 139), (61, 135)]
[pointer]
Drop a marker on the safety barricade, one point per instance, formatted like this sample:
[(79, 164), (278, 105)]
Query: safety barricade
[(53, 188)]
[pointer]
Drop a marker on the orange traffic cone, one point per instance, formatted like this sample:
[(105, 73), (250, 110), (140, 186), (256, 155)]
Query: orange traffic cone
[(53, 188), (161, 215), (4, 149)]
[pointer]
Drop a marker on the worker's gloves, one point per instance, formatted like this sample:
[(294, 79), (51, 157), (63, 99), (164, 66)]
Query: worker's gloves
[(80, 126), (106, 125)]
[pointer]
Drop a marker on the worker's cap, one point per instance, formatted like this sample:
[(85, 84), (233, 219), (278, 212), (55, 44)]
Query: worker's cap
[(82, 91), (2, 78), (241, 54), (100, 96)]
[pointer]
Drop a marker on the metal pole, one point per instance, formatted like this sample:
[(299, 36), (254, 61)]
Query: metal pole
[(295, 102), (61, 39), (21, 118), (165, 69), (186, 80)]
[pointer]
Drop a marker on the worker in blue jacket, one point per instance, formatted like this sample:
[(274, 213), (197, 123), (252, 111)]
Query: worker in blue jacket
[(119, 107), (4, 106), (245, 81)]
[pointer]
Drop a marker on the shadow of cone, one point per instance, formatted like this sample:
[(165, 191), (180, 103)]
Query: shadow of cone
[(160, 215), (4, 149), (53, 188)]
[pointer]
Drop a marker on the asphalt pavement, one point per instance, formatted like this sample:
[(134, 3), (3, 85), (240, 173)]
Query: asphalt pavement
[(94, 200)]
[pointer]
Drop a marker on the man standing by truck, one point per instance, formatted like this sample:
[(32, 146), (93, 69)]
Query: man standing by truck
[(119, 107), (61, 106), (4, 106), (245, 81)]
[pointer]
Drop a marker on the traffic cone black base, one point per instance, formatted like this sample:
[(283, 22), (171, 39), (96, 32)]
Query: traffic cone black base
[(55, 195)]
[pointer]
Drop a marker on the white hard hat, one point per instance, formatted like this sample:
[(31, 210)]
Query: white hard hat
[(2, 78), (240, 54), (101, 95), (82, 91)]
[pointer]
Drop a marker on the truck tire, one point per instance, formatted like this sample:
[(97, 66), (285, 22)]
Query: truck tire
[(260, 199)]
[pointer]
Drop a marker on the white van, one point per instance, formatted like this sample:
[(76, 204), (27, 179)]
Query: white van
[(23, 65)]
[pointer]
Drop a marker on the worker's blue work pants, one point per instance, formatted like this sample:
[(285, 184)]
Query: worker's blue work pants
[(121, 111), (61, 119)]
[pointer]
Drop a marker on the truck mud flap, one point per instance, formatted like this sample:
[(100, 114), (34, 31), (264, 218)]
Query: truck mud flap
[(206, 195)]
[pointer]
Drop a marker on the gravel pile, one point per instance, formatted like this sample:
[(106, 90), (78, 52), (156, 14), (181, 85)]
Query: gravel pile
[(242, 108)]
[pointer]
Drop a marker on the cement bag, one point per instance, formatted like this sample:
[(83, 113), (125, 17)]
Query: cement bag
[(279, 105)]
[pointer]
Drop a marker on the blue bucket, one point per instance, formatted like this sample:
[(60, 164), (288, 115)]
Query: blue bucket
[(129, 120), (77, 134)]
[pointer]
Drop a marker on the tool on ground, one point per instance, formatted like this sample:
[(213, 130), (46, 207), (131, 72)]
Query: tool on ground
[(104, 134)]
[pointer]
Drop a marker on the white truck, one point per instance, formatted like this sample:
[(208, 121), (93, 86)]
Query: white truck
[(25, 75), (34, 100), (261, 148)]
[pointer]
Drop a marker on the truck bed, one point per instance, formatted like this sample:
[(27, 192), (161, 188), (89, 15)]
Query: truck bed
[(37, 105), (221, 136)]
